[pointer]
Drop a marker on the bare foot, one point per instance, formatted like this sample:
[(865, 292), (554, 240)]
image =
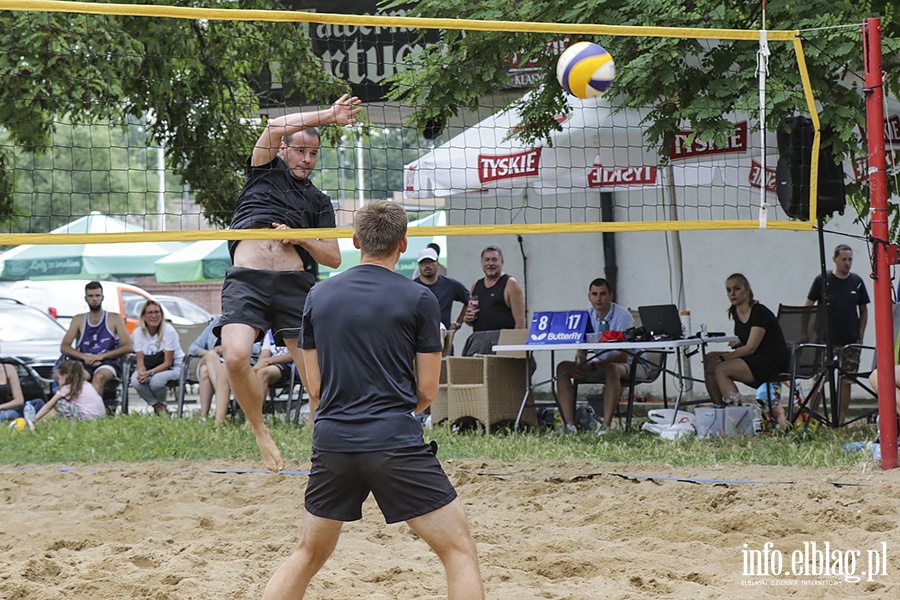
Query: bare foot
[(271, 456)]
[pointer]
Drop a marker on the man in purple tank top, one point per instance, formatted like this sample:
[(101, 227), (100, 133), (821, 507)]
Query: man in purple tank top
[(98, 339)]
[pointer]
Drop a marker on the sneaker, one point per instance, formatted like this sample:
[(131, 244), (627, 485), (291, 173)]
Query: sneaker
[(30, 415), (564, 430), (600, 428)]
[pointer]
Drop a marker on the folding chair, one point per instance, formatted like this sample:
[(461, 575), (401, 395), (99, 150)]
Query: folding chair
[(656, 362), (188, 377), (283, 388), (802, 327)]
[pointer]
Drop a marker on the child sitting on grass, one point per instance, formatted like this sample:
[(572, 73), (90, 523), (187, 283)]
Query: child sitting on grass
[(74, 400)]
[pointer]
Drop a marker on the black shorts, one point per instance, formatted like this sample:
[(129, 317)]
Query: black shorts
[(406, 482), (265, 300), (115, 368), (284, 370)]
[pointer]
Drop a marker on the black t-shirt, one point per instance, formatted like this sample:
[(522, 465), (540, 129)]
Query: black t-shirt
[(447, 291), (366, 326), (845, 296), (272, 195), (772, 347), (493, 313)]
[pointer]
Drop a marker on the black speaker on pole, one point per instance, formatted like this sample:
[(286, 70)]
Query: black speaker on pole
[(795, 140)]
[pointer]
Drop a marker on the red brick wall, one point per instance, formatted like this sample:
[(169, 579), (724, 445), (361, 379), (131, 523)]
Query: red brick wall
[(207, 294)]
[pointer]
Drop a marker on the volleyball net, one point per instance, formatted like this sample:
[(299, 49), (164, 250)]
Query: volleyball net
[(148, 113)]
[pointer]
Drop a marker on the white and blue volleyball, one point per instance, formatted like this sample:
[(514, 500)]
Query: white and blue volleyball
[(585, 70)]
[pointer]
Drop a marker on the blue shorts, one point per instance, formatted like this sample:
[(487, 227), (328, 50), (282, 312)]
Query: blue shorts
[(406, 482)]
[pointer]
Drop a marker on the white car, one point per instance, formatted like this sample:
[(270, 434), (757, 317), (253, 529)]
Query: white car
[(176, 306)]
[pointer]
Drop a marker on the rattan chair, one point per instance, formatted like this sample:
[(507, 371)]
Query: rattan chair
[(488, 389), (439, 408)]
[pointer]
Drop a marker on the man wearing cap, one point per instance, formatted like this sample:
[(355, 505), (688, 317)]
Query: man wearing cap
[(441, 269), (445, 289)]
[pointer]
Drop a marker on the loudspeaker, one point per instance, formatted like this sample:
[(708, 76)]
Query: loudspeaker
[(795, 140), (433, 128)]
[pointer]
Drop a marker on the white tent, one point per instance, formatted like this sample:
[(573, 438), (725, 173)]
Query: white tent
[(596, 149)]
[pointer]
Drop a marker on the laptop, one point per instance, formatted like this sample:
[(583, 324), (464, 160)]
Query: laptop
[(662, 321)]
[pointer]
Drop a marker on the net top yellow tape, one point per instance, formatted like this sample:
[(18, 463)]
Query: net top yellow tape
[(345, 232), (181, 12)]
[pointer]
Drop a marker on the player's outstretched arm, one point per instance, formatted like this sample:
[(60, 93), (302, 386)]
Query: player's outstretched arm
[(342, 112)]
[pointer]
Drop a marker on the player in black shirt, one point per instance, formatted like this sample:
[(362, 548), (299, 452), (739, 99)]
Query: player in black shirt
[(372, 343), (268, 284)]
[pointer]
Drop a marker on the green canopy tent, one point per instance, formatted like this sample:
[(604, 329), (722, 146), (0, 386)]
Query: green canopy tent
[(207, 260), (204, 260), (86, 261)]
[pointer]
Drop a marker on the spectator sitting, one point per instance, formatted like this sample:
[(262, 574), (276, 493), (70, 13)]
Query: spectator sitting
[(759, 355), (100, 339), (208, 348), (609, 367), (12, 399), (497, 302), (222, 384), (274, 364), (158, 356), (74, 400), (873, 380)]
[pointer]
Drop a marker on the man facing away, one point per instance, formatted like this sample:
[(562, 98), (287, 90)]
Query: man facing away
[(98, 339), (270, 279), (373, 357), (847, 313), (445, 289), (497, 302), (608, 367)]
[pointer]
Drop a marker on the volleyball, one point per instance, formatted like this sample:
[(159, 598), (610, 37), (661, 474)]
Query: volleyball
[(585, 70)]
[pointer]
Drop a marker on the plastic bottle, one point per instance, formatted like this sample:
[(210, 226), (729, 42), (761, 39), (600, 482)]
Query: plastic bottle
[(685, 323), (757, 418), (30, 413)]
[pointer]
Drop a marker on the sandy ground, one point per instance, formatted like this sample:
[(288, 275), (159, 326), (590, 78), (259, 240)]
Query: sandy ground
[(544, 530)]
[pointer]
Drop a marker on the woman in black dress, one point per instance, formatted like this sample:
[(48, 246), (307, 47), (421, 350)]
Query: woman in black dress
[(760, 352)]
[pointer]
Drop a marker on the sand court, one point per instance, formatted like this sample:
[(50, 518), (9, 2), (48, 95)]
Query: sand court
[(572, 530)]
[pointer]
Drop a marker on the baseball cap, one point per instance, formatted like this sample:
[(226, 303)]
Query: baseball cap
[(427, 253)]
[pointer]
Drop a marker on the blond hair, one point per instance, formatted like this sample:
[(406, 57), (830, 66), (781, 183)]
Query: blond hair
[(162, 322)]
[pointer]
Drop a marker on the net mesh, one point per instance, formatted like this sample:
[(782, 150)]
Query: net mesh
[(148, 114)]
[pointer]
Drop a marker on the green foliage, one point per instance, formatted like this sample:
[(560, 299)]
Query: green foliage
[(192, 80), (386, 148), (139, 438), (84, 169), (681, 81)]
